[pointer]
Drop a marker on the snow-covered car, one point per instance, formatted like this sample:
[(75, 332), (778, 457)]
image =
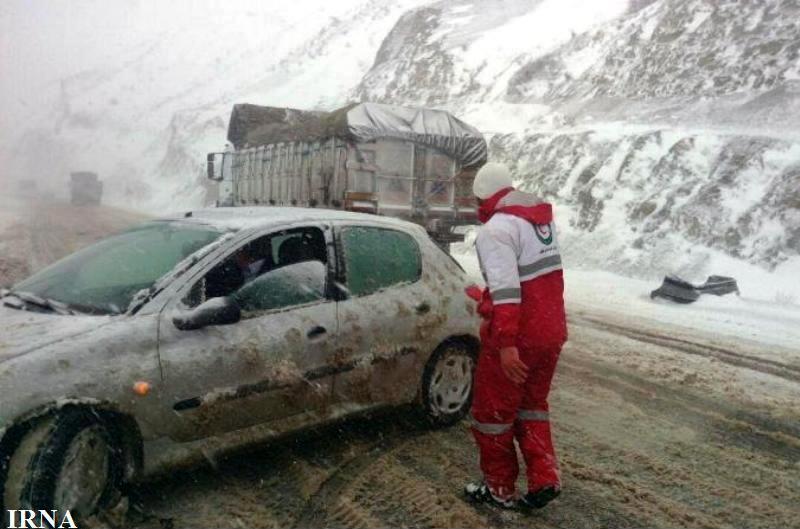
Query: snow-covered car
[(222, 325)]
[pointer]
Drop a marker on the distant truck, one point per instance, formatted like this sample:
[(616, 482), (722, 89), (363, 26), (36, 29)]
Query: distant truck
[(413, 163), (85, 188)]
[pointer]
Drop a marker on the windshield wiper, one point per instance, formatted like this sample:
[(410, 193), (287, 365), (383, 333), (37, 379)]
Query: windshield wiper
[(37, 301)]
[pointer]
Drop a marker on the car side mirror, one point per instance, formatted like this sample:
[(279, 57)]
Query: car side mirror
[(215, 311)]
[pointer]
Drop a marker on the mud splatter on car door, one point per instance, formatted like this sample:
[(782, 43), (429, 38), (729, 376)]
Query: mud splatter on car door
[(271, 364), (381, 354)]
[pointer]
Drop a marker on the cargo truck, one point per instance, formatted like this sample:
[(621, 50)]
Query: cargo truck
[(413, 163), (85, 188)]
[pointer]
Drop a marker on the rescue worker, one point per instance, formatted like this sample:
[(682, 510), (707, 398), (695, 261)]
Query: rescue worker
[(523, 330)]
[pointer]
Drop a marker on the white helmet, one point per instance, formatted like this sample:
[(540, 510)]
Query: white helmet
[(490, 179)]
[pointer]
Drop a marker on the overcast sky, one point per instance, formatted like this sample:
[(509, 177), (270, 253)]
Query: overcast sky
[(44, 40)]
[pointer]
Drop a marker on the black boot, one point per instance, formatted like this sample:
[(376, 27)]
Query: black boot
[(480, 493), (540, 498)]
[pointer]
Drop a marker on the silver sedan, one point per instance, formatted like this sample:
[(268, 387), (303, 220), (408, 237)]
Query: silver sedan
[(217, 328)]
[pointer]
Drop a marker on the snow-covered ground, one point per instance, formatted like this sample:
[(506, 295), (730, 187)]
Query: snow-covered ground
[(745, 318), (740, 316)]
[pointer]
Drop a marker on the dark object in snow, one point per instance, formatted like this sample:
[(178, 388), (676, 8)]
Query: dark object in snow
[(719, 286), (676, 289)]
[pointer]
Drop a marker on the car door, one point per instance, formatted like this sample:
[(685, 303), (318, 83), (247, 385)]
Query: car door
[(272, 363), (384, 317)]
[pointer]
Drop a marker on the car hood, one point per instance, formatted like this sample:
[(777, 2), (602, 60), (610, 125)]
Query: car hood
[(23, 331)]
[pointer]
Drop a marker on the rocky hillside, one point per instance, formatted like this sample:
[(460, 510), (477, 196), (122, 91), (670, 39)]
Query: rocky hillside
[(655, 201), (726, 62), (455, 51), (666, 135), (709, 155)]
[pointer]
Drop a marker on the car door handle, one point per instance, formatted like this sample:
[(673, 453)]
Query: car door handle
[(316, 331), (423, 308)]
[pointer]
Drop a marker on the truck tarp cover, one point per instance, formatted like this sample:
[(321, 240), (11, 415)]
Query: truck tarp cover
[(253, 125)]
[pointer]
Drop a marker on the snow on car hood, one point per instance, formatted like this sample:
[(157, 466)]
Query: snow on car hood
[(24, 331)]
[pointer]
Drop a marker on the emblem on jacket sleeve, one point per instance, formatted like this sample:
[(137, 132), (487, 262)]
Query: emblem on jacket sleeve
[(544, 233)]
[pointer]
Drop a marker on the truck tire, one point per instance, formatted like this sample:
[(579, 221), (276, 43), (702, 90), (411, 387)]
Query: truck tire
[(447, 383), (69, 461)]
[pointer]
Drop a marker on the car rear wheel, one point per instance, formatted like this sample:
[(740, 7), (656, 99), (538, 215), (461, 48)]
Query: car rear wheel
[(447, 384), (66, 462)]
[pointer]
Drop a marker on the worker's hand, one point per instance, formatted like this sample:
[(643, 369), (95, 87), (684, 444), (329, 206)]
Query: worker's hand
[(475, 292), (514, 368)]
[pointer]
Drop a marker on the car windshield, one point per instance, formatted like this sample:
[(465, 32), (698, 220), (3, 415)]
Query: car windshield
[(103, 278)]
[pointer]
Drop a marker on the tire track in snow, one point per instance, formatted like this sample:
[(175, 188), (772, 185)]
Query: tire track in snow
[(763, 365), (348, 475), (736, 424), (727, 461)]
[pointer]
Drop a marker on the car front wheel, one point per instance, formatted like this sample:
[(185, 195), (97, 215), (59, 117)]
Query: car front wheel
[(447, 384), (69, 461)]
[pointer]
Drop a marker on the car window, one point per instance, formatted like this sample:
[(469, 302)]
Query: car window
[(258, 258), (377, 258), (290, 285), (105, 276)]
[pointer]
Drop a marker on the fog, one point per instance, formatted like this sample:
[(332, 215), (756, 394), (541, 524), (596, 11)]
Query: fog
[(139, 90), (49, 50)]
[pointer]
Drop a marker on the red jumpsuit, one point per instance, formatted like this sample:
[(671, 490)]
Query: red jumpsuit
[(522, 306)]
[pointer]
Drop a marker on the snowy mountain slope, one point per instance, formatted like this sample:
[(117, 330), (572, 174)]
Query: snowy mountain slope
[(675, 48), (117, 109), (679, 60), (704, 62), (707, 165), (455, 50), (666, 200), (665, 133)]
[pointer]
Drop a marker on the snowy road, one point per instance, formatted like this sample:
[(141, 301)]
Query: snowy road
[(642, 441), (661, 418)]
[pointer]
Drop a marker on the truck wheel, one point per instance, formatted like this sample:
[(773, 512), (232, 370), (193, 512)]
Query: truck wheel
[(447, 384), (66, 462)]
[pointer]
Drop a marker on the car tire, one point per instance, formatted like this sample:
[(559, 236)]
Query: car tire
[(69, 461), (447, 382)]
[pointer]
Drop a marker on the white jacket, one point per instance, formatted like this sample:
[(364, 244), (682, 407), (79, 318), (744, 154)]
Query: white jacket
[(512, 249)]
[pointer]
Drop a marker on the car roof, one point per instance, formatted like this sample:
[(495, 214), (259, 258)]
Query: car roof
[(240, 218)]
